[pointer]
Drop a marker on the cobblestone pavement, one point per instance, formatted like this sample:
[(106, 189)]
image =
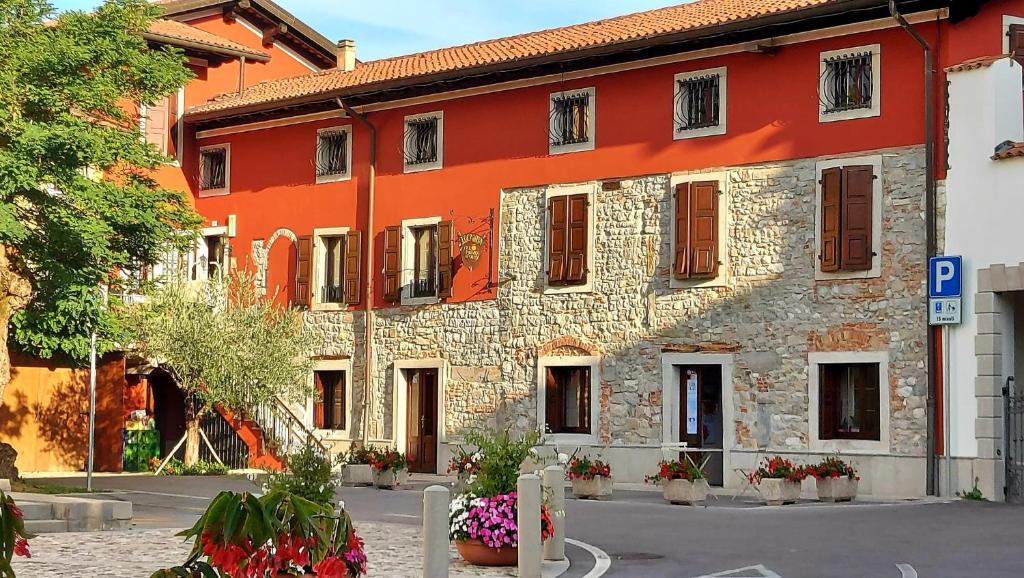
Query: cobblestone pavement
[(394, 550)]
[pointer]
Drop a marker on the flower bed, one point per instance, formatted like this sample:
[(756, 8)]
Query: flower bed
[(590, 478), (681, 482), (778, 480)]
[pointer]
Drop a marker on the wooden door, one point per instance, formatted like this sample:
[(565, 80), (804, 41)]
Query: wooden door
[(421, 426), (690, 381)]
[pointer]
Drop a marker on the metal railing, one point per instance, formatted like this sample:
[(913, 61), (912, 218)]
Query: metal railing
[(282, 430)]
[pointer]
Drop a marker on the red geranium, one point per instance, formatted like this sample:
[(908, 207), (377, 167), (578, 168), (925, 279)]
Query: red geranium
[(777, 467), (586, 469)]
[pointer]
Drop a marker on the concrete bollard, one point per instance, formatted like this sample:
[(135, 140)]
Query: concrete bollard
[(554, 481), (528, 489), (435, 532)]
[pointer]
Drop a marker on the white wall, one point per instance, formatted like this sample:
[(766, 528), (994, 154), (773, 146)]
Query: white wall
[(984, 211)]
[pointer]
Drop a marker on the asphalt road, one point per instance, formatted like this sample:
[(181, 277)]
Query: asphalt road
[(646, 538)]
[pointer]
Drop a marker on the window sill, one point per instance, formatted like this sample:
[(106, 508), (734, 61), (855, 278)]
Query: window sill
[(333, 178), (571, 439), (419, 168), (571, 148), (824, 117), (420, 300), (874, 273), (328, 307), (850, 446), (587, 287), (213, 192), (697, 132), (721, 281)]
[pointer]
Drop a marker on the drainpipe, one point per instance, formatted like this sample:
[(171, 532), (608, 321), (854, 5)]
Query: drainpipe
[(368, 298), (930, 185)]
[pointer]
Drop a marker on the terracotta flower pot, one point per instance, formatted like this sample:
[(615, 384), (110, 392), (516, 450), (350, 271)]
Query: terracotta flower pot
[(389, 479), (479, 554), (842, 489), (598, 487), (358, 475), (778, 491), (685, 492)]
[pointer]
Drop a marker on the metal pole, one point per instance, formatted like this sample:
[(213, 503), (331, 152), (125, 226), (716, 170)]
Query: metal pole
[(947, 412), (92, 410)]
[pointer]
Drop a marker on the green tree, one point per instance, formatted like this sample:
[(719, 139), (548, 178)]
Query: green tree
[(224, 343), (77, 203)]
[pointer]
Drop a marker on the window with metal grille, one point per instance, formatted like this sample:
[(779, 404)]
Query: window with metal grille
[(333, 290), (570, 118), (567, 400), (848, 82), (213, 165), (332, 153), (421, 141), (697, 102), (424, 267)]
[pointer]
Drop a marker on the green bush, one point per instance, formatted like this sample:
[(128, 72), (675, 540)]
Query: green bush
[(176, 467), (308, 474), (499, 465)]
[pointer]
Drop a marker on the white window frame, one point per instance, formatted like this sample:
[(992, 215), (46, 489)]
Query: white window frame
[(876, 84), (319, 252), (722, 280), (723, 93), (400, 409), (408, 258), (877, 190), (347, 173), (591, 141), (226, 189), (331, 365), (439, 163), (590, 189), (594, 363), (814, 360), (200, 253)]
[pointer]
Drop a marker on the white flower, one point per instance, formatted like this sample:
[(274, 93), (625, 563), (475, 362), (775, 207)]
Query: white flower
[(477, 456), (563, 458)]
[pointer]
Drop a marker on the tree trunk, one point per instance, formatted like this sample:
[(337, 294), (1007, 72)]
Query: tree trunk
[(15, 294), (192, 441)]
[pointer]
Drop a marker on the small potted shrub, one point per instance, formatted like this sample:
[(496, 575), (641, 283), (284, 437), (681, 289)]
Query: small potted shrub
[(836, 480), (778, 480), (681, 482), (591, 479), (358, 470), (464, 465), (390, 468), (307, 474)]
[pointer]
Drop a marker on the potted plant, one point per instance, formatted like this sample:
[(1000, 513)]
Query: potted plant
[(390, 468), (358, 470), (778, 480), (277, 534), (591, 479), (835, 480), (13, 537), (464, 465), (681, 482)]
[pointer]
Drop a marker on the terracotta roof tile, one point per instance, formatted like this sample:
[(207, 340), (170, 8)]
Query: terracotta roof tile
[(673, 19), (1009, 150), (976, 63), (174, 30)]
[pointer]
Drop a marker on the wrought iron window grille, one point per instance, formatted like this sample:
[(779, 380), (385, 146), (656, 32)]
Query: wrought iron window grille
[(847, 83), (570, 119), (332, 294), (421, 141), (697, 103), (332, 153), (213, 169)]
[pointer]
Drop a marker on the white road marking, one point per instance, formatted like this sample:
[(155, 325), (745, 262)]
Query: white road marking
[(762, 572), (907, 571), (601, 560)]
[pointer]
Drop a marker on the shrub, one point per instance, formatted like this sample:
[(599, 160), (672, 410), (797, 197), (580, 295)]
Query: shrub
[(464, 462), (501, 458), (676, 470), (308, 473), (176, 467), (586, 469)]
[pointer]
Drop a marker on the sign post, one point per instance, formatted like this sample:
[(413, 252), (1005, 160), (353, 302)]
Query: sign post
[(945, 294)]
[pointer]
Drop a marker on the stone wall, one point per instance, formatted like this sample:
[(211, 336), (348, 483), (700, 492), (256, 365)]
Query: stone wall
[(770, 311)]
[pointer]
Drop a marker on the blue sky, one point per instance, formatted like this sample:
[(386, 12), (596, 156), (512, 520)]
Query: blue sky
[(383, 28)]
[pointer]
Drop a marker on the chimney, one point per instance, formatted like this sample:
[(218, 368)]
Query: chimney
[(347, 55)]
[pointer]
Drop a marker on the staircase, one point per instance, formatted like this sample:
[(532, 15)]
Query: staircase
[(271, 432)]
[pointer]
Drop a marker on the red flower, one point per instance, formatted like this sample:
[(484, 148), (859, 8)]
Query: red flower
[(21, 548)]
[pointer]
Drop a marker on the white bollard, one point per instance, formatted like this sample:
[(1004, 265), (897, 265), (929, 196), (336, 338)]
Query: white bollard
[(528, 489), (435, 532), (554, 480)]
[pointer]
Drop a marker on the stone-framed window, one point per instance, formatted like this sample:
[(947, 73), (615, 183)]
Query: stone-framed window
[(699, 104), (418, 268), (572, 125), (214, 171), (568, 398), (423, 148), (848, 218), (698, 226), (848, 401), (210, 257), (333, 154), (569, 238), (329, 410), (849, 84)]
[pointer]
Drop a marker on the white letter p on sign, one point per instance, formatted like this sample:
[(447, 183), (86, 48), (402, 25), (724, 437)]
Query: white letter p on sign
[(943, 272)]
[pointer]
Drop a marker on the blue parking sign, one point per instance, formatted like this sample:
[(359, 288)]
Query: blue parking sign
[(944, 279)]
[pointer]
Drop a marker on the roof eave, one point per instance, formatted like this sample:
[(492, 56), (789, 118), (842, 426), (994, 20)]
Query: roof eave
[(205, 47)]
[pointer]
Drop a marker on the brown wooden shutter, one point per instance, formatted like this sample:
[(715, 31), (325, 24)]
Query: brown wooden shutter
[(157, 131), (558, 227), (828, 398), (338, 400), (303, 270), (855, 252), (392, 263), (1016, 44), (704, 230), (554, 405), (681, 262), (578, 229), (353, 267), (172, 125), (318, 401), (831, 198), (445, 272), (866, 400)]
